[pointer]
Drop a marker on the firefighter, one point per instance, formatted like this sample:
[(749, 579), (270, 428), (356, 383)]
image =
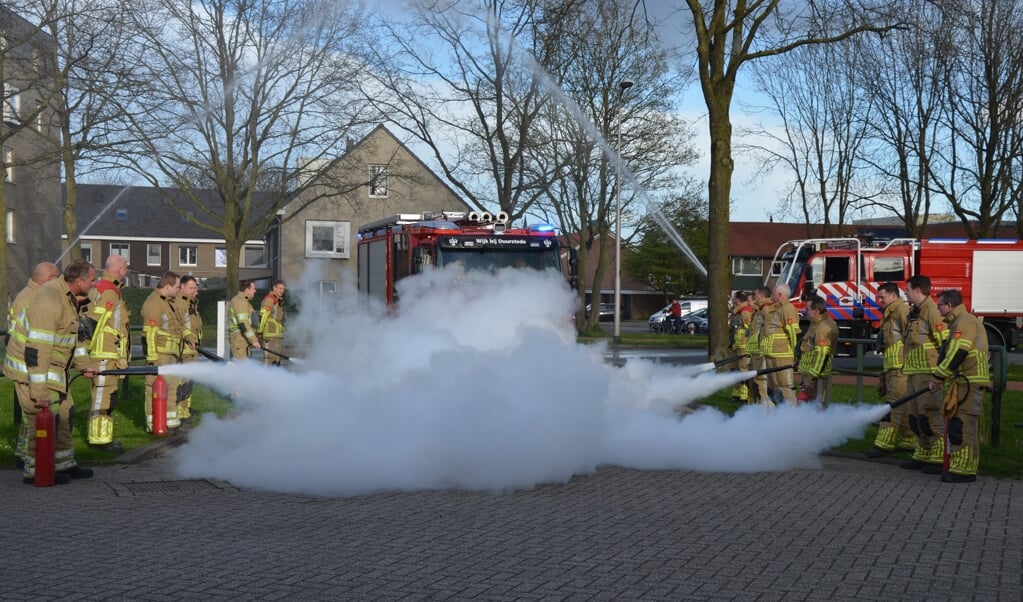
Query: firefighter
[(43, 347), (239, 320), (738, 322), (43, 273), (962, 372), (187, 304), (893, 431), (761, 299), (110, 347), (816, 351), (165, 338), (271, 323), (925, 333), (779, 332)]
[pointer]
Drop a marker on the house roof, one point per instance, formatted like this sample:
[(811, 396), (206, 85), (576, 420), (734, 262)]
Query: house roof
[(759, 239), (105, 210)]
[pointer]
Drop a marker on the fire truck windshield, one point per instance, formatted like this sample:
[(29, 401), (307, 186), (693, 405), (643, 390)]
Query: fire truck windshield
[(493, 260)]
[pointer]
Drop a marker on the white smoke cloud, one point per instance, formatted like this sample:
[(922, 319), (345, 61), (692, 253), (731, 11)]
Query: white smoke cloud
[(476, 385)]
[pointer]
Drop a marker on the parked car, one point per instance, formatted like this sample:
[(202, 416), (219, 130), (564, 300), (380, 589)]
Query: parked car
[(696, 322), (607, 312)]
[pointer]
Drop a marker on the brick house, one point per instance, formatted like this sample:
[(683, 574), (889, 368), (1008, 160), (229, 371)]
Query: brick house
[(31, 174), (138, 223), (378, 176)]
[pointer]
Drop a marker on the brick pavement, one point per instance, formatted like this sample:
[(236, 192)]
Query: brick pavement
[(852, 531)]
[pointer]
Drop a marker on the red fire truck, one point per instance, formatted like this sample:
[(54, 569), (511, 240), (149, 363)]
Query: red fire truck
[(409, 243), (847, 271)]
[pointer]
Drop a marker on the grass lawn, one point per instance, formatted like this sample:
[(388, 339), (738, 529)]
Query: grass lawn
[(1004, 461), (129, 418)]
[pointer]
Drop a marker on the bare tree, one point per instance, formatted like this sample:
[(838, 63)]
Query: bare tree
[(236, 89), (730, 34), (465, 83), (601, 45), (812, 89), (979, 169), (904, 75), (85, 91)]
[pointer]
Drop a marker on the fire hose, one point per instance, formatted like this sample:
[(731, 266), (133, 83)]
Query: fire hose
[(281, 355)]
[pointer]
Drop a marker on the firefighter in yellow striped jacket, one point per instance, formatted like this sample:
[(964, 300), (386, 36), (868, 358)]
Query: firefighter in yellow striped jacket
[(758, 385), (241, 334), (271, 323), (925, 333), (187, 304), (109, 348), (962, 372), (164, 333), (43, 273), (43, 348), (778, 336), (816, 351), (738, 322), (893, 430)]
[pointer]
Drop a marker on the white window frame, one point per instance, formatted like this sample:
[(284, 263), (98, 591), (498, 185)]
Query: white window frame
[(185, 248), (10, 226), (149, 254), (262, 249), (12, 104), (378, 184), (740, 263), (220, 257), (121, 248), (85, 248), (342, 231), (8, 164)]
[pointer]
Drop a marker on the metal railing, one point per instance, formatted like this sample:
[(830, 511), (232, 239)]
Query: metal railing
[(999, 378)]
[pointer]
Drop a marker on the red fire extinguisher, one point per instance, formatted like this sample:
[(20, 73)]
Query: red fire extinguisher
[(159, 406), (45, 448), (804, 395)]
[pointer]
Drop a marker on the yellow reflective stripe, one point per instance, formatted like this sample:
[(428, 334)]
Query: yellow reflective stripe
[(16, 365), (42, 336)]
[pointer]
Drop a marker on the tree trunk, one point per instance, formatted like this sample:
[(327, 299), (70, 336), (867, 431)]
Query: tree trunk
[(719, 188)]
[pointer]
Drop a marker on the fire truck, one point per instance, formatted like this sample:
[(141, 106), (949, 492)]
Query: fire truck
[(409, 243), (846, 272)]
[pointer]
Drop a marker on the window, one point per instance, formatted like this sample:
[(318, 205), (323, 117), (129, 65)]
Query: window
[(378, 181), (121, 214), (324, 290), (8, 164), (12, 104), (86, 249), (188, 255), (40, 116), (328, 240), (122, 249), (253, 257), (748, 266), (889, 269), (220, 257), (154, 254), (10, 226)]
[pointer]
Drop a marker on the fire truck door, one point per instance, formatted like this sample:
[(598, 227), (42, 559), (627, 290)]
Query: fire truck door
[(422, 259)]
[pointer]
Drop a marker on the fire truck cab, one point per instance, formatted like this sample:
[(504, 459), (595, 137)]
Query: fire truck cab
[(410, 243), (846, 273)]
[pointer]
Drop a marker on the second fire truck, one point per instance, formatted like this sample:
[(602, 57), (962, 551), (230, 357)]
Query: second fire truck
[(846, 273)]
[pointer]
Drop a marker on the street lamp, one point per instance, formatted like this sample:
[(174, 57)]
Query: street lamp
[(625, 85)]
